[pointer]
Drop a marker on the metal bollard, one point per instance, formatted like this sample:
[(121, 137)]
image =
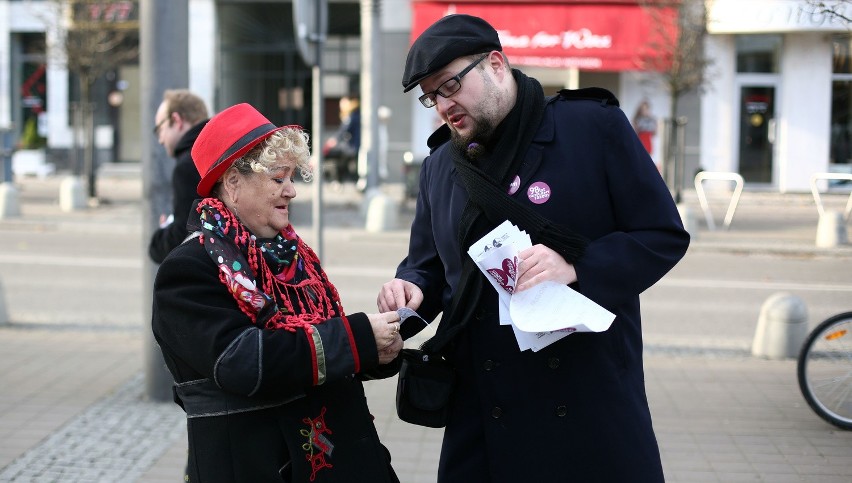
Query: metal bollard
[(687, 217), (781, 328), (4, 314), (831, 230), (9, 205), (382, 213), (72, 194)]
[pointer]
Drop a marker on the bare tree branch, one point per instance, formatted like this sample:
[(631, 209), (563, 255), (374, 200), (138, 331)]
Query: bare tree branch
[(94, 37), (838, 9), (675, 48), (96, 42)]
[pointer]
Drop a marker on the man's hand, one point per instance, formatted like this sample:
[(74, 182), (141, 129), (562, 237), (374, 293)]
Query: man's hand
[(539, 264), (399, 293), (166, 220)]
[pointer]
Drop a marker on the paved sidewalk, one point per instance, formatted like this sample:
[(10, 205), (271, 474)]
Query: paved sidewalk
[(72, 406)]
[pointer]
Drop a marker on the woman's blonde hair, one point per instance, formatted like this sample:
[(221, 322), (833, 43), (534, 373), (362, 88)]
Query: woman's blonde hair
[(289, 142)]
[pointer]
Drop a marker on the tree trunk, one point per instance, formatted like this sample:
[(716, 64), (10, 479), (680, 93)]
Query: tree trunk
[(674, 167), (88, 135)]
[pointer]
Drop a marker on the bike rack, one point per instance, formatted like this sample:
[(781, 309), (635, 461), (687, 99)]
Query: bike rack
[(815, 191), (702, 198)]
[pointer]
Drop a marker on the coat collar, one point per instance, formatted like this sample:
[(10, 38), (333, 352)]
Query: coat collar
[(188, 139)]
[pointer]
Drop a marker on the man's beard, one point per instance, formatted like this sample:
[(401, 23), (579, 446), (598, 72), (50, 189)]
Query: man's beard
[(473, 144)]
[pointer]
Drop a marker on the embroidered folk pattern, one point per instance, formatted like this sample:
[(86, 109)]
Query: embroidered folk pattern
[(318, 446)]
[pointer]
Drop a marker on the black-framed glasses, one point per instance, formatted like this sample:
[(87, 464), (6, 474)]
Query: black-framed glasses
[(157, 127), (449, 87)]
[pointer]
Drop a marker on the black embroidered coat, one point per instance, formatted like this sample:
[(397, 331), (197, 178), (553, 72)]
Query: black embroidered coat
[(260, 402), (575, 411)]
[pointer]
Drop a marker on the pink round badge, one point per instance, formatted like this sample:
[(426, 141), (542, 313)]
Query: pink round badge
[(516, 183), (538, 192)]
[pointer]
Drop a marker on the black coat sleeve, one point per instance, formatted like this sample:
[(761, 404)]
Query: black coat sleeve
[(423, 266), (203, 334), (648, 238), (185, 180)]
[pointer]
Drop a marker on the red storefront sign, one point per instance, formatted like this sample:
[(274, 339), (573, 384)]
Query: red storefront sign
[(612, 36)]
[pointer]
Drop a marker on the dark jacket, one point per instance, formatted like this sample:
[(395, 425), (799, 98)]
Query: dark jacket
[(185, 179), (250, 395), (576, 410)]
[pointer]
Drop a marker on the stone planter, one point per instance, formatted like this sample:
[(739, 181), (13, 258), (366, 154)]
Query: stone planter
[(31, 162)]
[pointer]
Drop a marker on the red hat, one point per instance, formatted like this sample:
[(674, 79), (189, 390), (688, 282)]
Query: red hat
[(229, 135)]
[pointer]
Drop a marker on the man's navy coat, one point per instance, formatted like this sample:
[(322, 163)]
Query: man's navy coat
[(575, 411)]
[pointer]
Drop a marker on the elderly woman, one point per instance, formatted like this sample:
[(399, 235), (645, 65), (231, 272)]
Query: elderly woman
[(267, 365)]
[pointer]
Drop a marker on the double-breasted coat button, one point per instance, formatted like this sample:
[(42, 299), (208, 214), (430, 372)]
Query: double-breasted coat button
[(496, 412), (561, 411), (553, 363), (489, 365)]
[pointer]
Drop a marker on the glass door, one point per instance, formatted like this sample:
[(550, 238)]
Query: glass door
[(757, 132)]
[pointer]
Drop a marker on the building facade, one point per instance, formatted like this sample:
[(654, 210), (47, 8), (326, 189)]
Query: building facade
[(39, 96), (246, 51), (573, 44), (777, 106), (778, 109)]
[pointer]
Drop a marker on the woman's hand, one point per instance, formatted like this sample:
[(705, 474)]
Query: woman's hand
[(399, 293), (386, 331), (388, 354)]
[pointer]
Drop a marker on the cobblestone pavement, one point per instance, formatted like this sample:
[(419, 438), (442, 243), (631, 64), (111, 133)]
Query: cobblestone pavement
[(118, 438)]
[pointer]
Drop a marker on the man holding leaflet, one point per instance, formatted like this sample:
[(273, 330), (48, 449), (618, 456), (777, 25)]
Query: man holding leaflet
[(571, 172)]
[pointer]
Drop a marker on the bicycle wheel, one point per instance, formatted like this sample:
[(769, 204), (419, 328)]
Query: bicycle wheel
[(825, 370)]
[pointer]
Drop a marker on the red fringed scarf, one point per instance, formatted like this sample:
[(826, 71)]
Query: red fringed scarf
[(297, 296)]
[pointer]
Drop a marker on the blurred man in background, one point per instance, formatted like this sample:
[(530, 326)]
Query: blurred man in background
[(177, 123)]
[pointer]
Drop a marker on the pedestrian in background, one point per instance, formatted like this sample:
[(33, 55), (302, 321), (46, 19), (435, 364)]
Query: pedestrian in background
[(645, 125), (571, 172), (341, 149), (179, 119), (267, 365)]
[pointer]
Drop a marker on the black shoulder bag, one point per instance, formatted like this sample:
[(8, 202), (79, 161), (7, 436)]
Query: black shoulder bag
[(425, 385)]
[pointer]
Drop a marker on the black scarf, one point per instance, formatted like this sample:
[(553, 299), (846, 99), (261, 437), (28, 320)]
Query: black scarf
[(489, 205)]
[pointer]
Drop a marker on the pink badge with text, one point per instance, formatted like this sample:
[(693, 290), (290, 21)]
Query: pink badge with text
[(538, 192), (516, 183)]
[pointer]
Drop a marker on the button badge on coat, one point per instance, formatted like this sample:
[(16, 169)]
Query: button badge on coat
[(516, 183), (538, 192)]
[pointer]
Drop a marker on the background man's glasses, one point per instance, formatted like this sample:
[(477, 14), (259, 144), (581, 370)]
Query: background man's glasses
[(157, 127), (449, 87)]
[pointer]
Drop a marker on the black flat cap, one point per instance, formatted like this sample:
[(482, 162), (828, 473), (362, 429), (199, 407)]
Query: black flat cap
[(444, 41)]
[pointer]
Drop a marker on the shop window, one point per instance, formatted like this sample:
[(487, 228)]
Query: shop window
[(31, 83), (842, 62), (259, 60), (758, 53), (841, 103)]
